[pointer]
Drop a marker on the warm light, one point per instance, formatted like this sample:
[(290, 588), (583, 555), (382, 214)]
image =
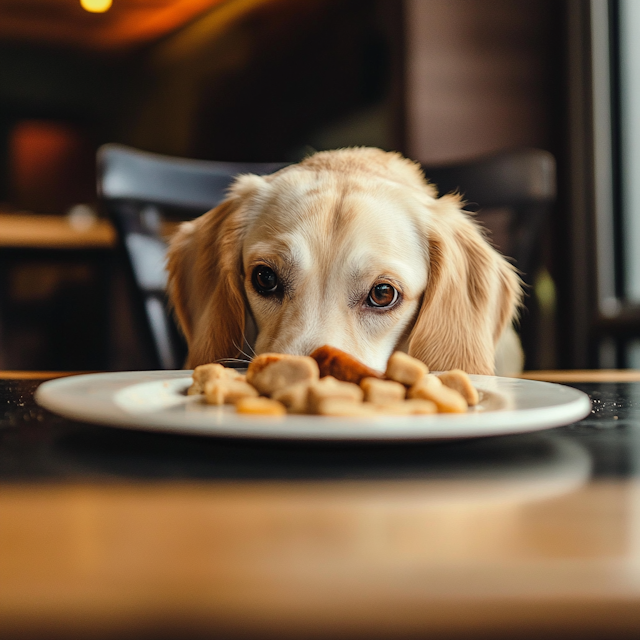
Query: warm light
[(96, 6)]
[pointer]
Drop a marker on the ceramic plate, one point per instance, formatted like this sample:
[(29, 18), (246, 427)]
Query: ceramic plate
[(156, 401)]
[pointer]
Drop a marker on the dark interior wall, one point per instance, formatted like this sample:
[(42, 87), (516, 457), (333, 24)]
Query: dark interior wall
[(337, 65), (271, 83), (87, 93), (482, 76), (467, 76)]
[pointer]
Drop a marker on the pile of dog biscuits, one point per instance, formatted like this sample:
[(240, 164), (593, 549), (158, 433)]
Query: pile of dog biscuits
[(330, 382)]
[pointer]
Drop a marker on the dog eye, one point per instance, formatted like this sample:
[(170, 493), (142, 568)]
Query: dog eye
[(382, 295), (264, 279)]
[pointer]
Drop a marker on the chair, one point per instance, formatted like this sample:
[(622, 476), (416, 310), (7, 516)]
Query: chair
[(138, 191)]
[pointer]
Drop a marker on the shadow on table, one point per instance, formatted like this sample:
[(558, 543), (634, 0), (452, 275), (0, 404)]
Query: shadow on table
[(111, 453)]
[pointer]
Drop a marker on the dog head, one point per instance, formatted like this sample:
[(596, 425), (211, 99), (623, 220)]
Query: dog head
[(350, 248)]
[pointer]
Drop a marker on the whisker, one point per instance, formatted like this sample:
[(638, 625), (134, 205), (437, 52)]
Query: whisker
[(249, 346), (234, 360), (253, 351), (244, 353)]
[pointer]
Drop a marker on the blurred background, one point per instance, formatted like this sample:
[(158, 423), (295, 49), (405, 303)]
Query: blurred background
[(442, 81)]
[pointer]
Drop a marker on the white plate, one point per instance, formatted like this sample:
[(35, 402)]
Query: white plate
[(156, 401)]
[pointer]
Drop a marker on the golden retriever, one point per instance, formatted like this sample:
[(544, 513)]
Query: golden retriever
[(351, 248)]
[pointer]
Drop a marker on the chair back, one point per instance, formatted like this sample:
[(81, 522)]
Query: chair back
[(513, 192)]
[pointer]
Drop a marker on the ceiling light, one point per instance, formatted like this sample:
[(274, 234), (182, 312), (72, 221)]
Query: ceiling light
[(96, 6)]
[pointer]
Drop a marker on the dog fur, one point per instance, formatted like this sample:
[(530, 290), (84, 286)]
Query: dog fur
[(331, 228)]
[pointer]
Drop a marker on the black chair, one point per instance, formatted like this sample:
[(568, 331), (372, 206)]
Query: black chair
[(140, 190), (514, 190)]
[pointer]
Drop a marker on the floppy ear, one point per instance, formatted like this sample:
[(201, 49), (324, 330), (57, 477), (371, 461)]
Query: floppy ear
[(205, 284), (472, 295)]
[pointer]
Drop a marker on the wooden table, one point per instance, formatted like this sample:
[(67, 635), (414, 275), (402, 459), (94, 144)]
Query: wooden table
[(109, 534), (54, 232), (33, 231)]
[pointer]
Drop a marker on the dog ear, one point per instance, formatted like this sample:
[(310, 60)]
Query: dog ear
[(472, 295), (205, 283)]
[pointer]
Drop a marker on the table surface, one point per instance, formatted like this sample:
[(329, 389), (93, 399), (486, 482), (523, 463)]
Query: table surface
[(19, 230), (108, 534)]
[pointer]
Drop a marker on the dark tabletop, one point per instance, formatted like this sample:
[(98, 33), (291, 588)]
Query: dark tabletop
[(38, 445)]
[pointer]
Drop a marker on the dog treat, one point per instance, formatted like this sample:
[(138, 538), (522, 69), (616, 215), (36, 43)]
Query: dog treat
[(206, 372), (260, 406), (294, 397), (329, 388), (460, 381), (418, 406), (431, 388), (225, 391), (345, 408), (260, 362), (410, 407), (405, 369), (382, 391), (285, 372), (293, 384), (341, 365)]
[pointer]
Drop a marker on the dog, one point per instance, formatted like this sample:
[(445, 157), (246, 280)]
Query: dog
[(352, 248)]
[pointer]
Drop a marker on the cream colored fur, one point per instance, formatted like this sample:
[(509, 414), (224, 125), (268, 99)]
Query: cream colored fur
[(331, 228)]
